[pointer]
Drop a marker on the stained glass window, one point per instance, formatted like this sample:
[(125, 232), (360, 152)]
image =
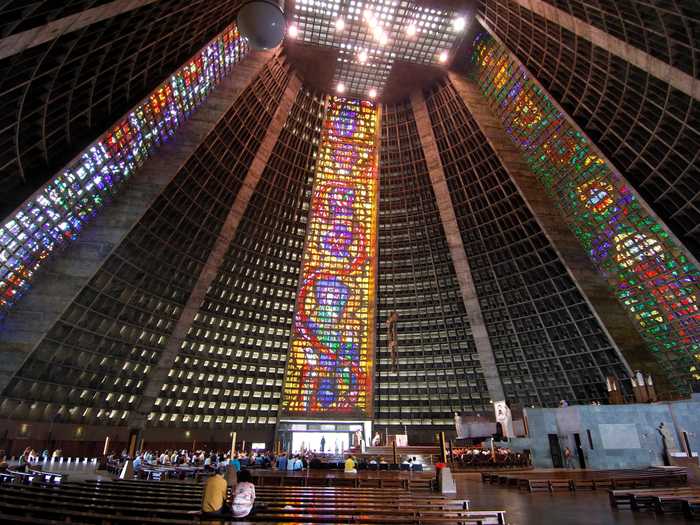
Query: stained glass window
[(57, 212), (649, 274), (331, 359)]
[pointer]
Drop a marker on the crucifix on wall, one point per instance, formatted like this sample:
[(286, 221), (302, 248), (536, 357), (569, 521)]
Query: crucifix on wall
[(393, 341)]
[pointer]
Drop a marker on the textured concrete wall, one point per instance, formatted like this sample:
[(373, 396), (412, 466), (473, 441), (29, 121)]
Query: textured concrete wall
[(623, 436), (38, 35), (644, 61), (88, 440), (593, 286), (216, 257), (448, 218), (61, 279)]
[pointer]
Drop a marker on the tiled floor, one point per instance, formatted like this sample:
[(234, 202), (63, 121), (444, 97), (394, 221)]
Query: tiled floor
[(523, 508)]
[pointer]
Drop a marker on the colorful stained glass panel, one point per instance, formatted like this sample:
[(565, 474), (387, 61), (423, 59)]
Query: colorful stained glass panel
[(646, 270), (57, 212), (331, 360)]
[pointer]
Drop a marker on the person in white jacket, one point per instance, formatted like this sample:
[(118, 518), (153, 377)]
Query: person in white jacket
[(244, 495)]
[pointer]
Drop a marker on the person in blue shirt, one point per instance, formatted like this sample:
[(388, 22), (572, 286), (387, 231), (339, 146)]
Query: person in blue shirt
[(236, 463), (282, 462), (137, 463), (291, 462)]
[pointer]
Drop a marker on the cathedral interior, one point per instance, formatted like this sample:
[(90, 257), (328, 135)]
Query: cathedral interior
[(406, 211)]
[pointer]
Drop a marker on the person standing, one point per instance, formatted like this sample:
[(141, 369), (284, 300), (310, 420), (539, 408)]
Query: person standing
[(323, 443), (569, 458), (282, 461)]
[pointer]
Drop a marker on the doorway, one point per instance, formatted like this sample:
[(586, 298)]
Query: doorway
[(579, 451), (555, 450)]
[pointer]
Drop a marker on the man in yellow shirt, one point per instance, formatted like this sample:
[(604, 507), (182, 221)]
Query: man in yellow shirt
[(214, 497), (350, 465)]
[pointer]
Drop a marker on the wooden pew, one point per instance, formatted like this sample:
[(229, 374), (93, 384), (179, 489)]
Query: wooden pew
[(669, 500), (114, 502), (573, 480)]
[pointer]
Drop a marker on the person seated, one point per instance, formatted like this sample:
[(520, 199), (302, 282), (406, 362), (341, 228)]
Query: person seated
[(350, 466), (138, 461), (416, 465), (373, 461), (244, 495), (214, 496), (3, 462)]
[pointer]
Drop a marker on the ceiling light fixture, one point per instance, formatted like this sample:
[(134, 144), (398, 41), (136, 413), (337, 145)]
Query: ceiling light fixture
[(411, 30), (292, 31), (340, 88), (383, 39), (362, 57), (459, 23), (443, 57), (262, 23), (372, 93), (339, 24)]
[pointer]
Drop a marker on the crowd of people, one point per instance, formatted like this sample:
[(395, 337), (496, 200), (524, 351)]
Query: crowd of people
[(30, 457), (209, 460), (486, 457)]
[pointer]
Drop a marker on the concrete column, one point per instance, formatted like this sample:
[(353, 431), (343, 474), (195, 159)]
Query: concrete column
[(62, 278), (610, 314), (18, 42), (457, 253), (216, 257), (639, 58)]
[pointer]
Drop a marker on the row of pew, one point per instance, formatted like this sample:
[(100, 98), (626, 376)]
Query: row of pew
[(408, 480), (160, 472), (679, 500), (177, 503), (32, 475), (577, 480)]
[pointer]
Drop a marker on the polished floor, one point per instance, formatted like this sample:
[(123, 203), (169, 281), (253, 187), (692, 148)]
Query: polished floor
[(523, 508)]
